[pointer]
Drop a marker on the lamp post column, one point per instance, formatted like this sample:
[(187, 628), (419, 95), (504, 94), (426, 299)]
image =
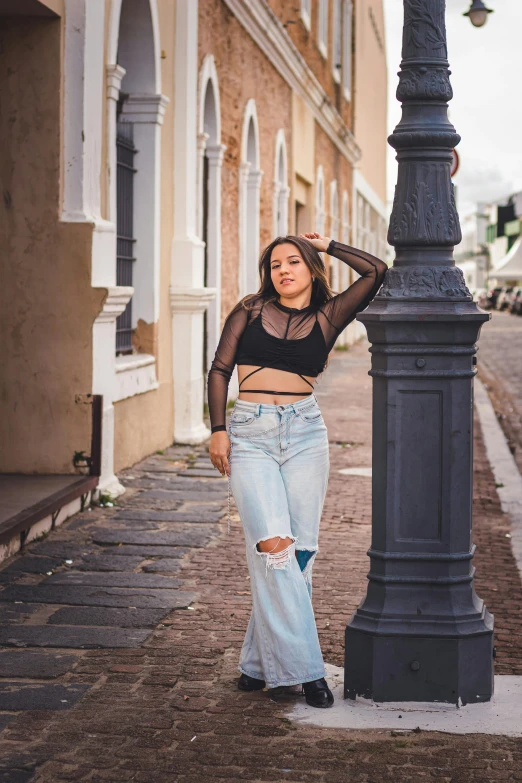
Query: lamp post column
[(421, 633)]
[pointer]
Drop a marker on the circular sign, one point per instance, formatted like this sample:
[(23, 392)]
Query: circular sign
[(454, 162)]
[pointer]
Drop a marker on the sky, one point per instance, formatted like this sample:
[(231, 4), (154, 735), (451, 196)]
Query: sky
[(486, 109)]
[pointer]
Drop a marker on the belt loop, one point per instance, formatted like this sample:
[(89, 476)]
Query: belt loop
[(258, 410)]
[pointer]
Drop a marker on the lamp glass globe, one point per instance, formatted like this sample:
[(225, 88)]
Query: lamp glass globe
[(478, 17)]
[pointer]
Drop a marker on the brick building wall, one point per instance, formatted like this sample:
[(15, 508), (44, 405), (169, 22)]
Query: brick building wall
[(246, 73)]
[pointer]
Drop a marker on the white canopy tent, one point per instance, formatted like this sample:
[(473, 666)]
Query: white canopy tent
[(510, 267)]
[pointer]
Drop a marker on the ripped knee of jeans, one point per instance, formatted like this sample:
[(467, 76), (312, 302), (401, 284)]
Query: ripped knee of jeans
[(277, 558), (305, 559)]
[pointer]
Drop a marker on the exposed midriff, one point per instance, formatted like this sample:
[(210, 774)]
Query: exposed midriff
[(270, 378)]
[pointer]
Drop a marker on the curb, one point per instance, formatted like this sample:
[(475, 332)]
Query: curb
[(508, 480)]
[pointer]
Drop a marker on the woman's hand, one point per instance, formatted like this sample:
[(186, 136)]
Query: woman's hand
[(320, 243), (219, 450)]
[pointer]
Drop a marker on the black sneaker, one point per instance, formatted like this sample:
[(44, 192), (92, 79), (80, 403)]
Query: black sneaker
[(246, 683), (317, 693)]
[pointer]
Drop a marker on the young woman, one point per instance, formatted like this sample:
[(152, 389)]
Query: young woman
[(276, 450)]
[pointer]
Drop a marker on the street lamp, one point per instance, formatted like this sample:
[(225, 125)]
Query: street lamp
[(421, 633), (478, 13)]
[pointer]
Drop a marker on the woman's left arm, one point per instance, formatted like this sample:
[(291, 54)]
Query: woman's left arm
[(342, 309)]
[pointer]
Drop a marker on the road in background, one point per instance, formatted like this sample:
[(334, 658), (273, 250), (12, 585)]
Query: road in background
[(500, 368)]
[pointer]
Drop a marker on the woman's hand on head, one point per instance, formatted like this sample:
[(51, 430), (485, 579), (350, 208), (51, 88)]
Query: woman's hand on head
[(320, 243), (219, 450)]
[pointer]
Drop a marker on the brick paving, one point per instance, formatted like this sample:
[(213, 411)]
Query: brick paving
[(500, 367), (165, 707)]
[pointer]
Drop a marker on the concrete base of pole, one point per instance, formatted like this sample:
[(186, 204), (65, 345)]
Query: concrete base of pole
[(502, 715)]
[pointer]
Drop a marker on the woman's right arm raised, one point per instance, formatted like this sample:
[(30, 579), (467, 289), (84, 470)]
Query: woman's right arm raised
[(218, 381)]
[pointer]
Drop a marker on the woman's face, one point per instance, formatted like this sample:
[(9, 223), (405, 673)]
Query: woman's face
[(289, 272)]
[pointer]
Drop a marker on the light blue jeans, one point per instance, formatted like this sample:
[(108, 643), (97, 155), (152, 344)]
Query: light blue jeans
[(279, 465)]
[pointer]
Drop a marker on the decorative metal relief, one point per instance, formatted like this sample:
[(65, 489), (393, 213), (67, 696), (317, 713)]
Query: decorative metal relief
[(424, 210), (446, 138), (425, 282), (424, 29), (424, 82)]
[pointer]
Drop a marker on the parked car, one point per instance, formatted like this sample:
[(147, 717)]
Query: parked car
[(488, 300), (515, 302), (478, 294), (503, 298)]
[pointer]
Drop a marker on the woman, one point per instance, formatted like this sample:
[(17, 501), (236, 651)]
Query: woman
[(277, 445)]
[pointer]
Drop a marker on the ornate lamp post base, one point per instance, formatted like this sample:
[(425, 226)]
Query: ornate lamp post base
[(421, 634)]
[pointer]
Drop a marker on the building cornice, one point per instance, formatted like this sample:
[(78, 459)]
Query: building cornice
[(264, 27)]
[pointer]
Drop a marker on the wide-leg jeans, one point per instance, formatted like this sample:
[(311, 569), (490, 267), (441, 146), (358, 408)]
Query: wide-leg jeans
[(279, 465)]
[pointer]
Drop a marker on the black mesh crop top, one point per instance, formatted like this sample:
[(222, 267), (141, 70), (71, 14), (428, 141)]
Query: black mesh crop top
[(269, 334)]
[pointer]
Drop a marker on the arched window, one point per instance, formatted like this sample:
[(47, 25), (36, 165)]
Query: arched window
[(346, 56), (249, 191), (319, 201), (134, 155), (210, 162), (345, 219), (334, 234), (345, 274), (322, 27), (337, 41), (281, 190), (306, 12)]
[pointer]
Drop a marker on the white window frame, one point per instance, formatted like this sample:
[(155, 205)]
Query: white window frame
[(306, 13), (281, 190), (322, 27), (209, 145), (346, 53), (337, 41), (346, 277), (250, 176), (345, 219), (319, 201)]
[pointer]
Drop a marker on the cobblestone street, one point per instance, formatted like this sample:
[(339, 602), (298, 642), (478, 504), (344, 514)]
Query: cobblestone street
[(160, 592)]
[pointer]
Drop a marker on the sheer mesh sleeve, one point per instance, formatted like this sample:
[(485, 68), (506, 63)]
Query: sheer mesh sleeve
[(222, 366), (341, 309)]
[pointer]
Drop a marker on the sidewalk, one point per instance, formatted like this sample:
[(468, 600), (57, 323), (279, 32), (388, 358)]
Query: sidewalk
[(163, 591)]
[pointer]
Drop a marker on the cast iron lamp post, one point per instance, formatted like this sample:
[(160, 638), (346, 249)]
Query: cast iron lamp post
[(421, 633), (478, 13)]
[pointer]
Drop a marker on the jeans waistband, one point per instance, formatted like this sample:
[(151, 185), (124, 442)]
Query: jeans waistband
[(264, 407)]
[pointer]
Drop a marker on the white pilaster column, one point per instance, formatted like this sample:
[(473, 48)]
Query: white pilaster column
[(83, 108), (201, 146), (115, 74), (244, 171), (189, 298), (84, 95), (253, 228), (215, 156), (146, 113), (188, 306), (104, 379)]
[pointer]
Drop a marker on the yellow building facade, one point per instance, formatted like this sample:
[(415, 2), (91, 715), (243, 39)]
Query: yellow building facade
[(150, 149)]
